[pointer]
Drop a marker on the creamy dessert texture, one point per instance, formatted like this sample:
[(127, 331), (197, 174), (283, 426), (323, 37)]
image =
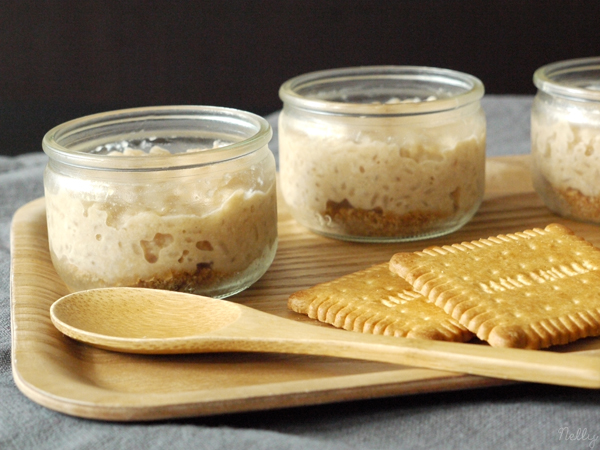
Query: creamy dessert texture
[(195, 235), (384, 181), (566, 165)]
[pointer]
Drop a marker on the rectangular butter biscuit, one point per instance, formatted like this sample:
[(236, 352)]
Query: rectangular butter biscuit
[(377, 301), (531, 289)]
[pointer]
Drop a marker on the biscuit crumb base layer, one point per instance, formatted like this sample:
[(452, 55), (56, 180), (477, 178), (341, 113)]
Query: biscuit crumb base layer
[(379, 223), (204, 278), (568, 201), (531, 289), (377, 301), (580, 206)]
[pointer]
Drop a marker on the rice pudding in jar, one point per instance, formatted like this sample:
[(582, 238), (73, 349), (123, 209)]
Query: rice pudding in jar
[(565, 138), (382, 154), (179, 197)]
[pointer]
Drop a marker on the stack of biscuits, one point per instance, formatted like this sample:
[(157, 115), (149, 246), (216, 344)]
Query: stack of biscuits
[(532, 289)]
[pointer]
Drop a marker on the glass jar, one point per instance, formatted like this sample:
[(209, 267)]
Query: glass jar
[(382, 154), (565, 138), (177, 197)]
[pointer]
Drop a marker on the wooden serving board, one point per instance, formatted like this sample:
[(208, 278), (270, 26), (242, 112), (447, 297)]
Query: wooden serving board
[(83, 381)]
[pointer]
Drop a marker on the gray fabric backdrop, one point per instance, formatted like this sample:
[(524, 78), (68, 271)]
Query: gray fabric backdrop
[(512, 417)]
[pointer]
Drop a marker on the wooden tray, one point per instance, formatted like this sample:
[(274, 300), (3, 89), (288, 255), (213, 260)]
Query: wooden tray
[(76, 379)]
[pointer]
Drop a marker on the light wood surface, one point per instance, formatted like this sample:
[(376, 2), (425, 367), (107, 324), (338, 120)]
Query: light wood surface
[(85, 381)]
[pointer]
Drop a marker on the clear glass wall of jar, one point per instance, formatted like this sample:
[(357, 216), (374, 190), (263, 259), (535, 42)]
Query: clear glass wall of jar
[(384, 153), (565, 138), (177, 197)]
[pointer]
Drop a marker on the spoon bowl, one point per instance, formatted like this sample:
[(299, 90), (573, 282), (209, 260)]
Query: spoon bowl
[(150, 321), (120, 313)]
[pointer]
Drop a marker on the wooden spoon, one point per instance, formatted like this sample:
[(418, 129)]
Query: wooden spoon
[(159, 322)]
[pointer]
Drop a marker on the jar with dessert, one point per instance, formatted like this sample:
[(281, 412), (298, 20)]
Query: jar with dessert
[(175, 197), (382, 153), (565, 138)]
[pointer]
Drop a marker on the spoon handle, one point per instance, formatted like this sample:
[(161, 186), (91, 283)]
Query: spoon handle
[(285, 336)]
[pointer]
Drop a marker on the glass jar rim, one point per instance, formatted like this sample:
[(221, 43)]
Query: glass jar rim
[(259, 135), (560, 78), (470, 88)]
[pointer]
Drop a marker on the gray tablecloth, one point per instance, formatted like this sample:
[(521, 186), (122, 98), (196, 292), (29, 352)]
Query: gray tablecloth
[(510, 417)]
